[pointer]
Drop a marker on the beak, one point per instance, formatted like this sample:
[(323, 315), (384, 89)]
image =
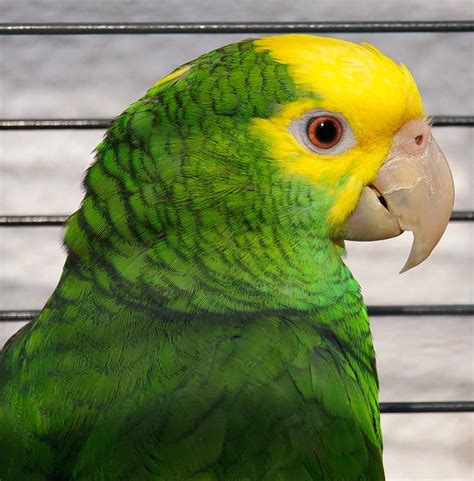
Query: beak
[(414, 191)]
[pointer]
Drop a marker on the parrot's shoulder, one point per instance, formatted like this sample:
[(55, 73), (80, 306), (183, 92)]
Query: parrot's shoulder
[(206, 400)]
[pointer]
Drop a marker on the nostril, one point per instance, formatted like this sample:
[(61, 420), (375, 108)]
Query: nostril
[(413, 137)]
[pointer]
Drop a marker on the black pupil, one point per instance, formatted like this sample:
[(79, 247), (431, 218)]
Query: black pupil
[(326, 131)]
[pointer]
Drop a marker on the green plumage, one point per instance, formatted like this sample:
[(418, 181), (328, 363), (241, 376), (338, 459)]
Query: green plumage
[(205, 326)]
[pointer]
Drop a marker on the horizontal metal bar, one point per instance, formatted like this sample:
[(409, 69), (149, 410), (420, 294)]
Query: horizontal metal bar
[(234, 27), (452, 121), (427, 407), (32, 220), (18, 316), (53, 124), (426, 310), (58, 220), (462, 216), (375, 311)]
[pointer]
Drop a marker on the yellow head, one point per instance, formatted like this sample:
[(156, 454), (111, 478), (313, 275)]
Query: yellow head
[(371, 94)]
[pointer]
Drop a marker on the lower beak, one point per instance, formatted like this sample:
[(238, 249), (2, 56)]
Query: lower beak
[(413, 191)]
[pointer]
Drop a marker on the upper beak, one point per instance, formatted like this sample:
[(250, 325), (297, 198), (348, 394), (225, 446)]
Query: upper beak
[(414, 191)]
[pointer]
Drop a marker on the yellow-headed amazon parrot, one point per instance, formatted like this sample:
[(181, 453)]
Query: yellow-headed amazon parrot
[(205, 326)]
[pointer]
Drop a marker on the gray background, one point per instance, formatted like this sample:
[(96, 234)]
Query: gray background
[(426, 358)]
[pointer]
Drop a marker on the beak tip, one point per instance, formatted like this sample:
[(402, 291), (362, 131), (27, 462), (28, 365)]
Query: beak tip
[(406, 268), (419, 252)]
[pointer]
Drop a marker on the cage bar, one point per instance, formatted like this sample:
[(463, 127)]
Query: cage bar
[(235, 27), (31, 220), (60, 124), (374, 311)]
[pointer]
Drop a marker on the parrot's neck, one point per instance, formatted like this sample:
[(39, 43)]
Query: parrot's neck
[(251, 271)]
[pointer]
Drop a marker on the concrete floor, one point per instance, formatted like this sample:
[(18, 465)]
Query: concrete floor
[(422, 358)]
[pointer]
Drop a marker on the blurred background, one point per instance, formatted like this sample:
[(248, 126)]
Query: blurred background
[(419, 358)]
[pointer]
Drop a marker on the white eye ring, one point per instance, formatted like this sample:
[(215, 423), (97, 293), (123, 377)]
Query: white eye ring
[(299, 129)]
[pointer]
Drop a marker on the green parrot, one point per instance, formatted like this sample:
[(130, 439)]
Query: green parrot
[(205, 326)]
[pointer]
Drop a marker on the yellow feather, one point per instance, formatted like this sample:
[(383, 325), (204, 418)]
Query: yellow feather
[(173, 75), (373, 93)]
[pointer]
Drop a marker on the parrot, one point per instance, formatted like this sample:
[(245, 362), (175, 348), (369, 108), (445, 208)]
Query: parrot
[(205, 326)]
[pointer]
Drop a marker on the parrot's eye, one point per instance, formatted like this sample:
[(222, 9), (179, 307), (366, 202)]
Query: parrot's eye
[(324, 132)]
